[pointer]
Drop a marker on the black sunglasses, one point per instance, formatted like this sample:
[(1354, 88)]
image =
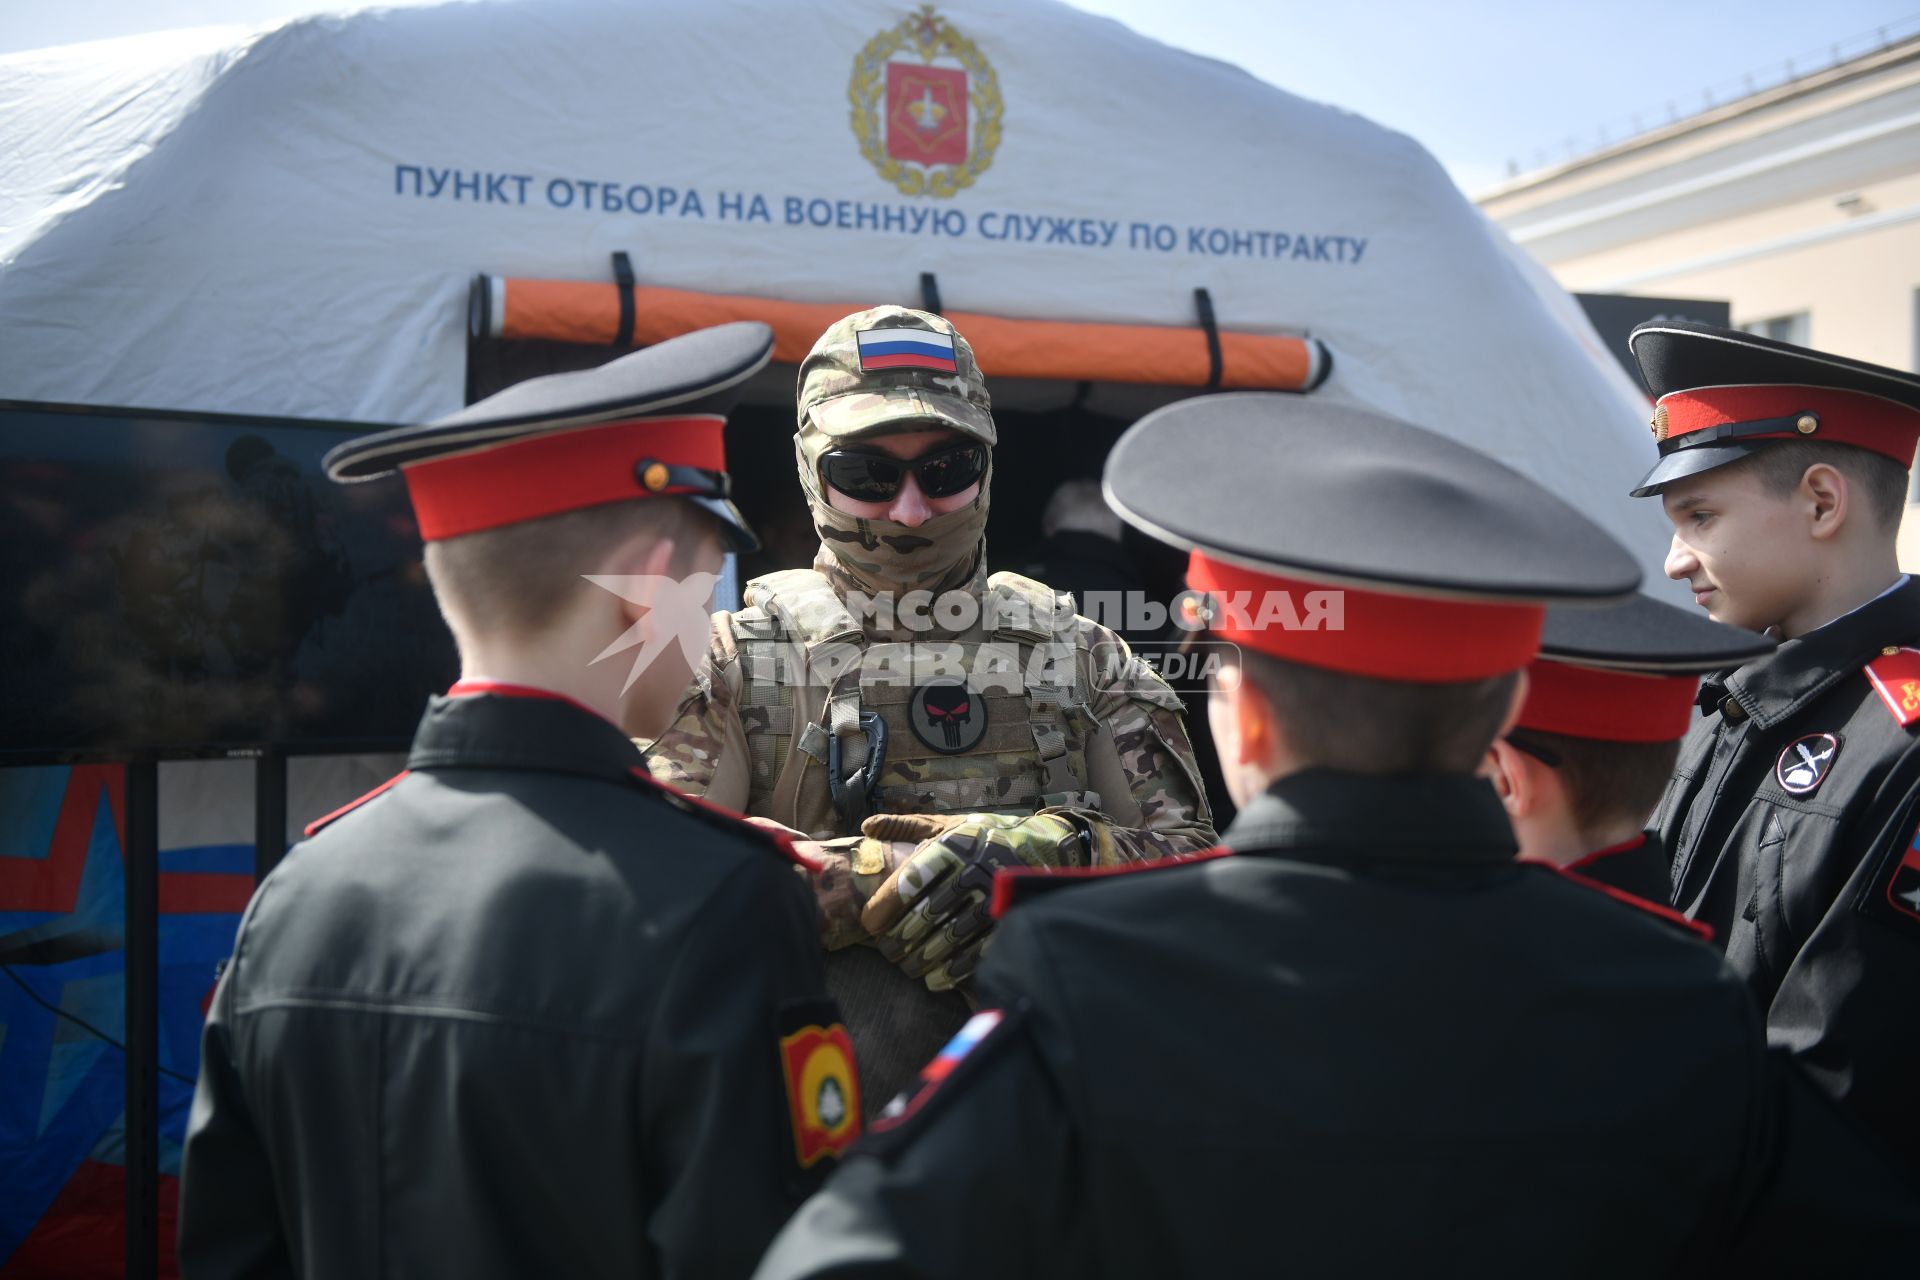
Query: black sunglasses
[(876, 477)]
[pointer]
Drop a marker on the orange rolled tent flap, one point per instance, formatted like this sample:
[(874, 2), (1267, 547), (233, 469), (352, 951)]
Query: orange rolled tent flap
[(590, 312)]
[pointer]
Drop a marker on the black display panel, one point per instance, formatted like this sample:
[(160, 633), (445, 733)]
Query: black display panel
[(192, 583), (1614, 316)]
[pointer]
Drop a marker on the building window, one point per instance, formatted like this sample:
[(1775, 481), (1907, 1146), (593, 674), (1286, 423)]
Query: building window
[(1789, 328)]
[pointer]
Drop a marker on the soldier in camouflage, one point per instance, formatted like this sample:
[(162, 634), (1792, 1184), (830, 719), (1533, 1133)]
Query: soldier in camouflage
[(921, 723)]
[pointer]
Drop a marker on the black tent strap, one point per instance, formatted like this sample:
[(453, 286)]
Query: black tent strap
[(1203, 303), (480, 307), (623, 280)]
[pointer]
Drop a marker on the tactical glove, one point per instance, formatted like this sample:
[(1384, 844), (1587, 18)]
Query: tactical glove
[(932, 915)]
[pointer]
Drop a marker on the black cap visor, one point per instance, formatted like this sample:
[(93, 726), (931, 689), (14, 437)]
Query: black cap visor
[(1682, 463), (1647, 636)]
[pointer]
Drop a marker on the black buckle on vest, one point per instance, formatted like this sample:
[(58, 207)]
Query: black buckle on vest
[(853, 795)]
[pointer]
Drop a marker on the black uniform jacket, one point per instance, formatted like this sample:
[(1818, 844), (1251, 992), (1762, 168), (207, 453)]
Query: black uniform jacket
[(1791, 818), (476, 1028), (1369, 1043), (1638, 866)]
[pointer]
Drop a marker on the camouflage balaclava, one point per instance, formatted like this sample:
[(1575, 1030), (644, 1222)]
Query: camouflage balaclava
[(880, 372)]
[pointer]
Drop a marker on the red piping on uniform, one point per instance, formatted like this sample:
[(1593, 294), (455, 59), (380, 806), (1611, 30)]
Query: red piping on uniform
[(1625, 846), (1608, 706), (781, 839), (1631, 899), (1005, 882), (351, 805), (556, 471), (502, 689), (1364, 633)]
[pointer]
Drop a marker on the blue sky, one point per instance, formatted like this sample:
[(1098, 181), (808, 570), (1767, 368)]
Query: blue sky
[(1480, 82)]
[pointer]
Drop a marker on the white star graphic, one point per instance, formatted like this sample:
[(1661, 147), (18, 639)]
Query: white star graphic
[(678, 614)]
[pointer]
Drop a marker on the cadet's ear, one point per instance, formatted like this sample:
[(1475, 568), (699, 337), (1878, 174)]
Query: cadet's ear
[(1512, 773), (1823, 490)]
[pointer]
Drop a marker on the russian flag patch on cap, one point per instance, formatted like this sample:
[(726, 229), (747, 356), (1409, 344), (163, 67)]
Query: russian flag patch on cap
[(901, 348)]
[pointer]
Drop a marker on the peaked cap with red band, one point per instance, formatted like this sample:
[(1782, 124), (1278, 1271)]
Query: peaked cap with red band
[(1720, 394), (1628, 673), (648, 425), (1342, 539)]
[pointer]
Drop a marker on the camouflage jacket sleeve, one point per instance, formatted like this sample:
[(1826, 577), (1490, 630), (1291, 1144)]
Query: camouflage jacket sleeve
[(704, 750), (1139, 760)]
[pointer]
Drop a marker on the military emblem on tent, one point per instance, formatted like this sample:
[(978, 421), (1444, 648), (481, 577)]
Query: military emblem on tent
[(926, 106)]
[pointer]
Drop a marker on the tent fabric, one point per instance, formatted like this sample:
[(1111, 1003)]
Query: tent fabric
[(286, 221), (578, 311)]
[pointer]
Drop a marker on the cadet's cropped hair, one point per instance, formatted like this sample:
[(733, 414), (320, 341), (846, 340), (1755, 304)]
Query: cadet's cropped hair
[(1359, 724), (1607, 782), (519, 579), (1882, 482)]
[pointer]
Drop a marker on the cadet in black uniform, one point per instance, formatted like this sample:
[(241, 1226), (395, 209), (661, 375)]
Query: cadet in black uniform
[(1608, 700), (1368, 1042), (474, 1026), (1793, 810)]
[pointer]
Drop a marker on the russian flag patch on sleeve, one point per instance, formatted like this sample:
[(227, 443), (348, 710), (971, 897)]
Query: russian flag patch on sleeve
[(1893, 895), (1903, 886), (904, 348), (965, 1042)]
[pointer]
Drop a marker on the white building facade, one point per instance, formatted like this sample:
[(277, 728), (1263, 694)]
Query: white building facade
[(1798, 205)]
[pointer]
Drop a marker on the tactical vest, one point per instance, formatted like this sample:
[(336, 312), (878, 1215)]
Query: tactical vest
[(993, 720)]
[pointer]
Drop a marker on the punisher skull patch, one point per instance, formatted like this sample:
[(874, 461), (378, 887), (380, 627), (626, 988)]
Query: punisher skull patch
[(1806, 762), (948, 714)]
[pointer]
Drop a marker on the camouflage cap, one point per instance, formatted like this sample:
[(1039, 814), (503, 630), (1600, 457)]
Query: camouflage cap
[(888, 368)]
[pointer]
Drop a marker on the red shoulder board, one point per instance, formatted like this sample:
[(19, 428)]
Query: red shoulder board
[(1896, 678), (1010, 888), (1665, 913), (713, 813), (313, 828)]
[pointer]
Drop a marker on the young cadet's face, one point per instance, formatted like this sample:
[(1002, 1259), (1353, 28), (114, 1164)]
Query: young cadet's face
[(1743, 549)]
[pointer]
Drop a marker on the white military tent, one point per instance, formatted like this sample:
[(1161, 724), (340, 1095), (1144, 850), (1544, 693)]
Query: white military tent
[(290, 222), (287, 221)]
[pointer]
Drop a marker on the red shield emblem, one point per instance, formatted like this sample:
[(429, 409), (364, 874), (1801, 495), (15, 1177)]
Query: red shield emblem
[(823, 1091), (926, 114)]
